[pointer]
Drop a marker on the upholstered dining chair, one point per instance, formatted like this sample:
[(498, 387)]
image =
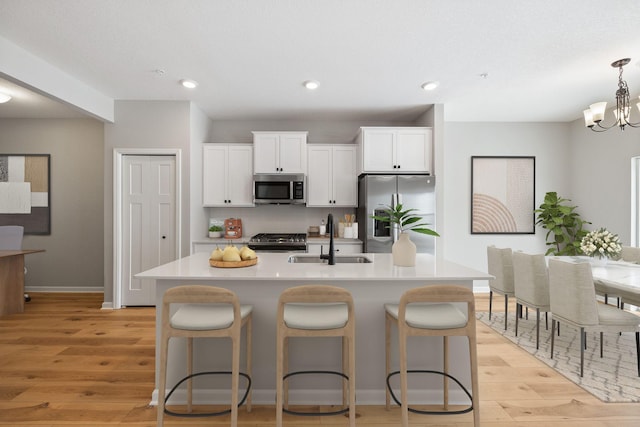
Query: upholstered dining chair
[(630, 254), (11, 240), (531, 286), (500, 266), (573, 302)]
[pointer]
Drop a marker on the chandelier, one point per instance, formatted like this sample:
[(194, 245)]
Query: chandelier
[(594, 116)]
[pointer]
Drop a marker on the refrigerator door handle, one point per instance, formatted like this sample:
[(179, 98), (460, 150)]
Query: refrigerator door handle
[(397, 200)]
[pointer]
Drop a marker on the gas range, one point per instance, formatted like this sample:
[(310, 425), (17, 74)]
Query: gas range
[(279, 242)]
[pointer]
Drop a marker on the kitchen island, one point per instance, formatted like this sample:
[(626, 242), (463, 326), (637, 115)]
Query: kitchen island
[(371, 284)]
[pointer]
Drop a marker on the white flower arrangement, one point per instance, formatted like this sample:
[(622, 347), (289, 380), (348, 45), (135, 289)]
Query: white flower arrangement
[(601, 244)]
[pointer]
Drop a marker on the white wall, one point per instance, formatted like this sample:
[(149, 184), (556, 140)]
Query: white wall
[(199, 219), (601, 176), (145, 124), (73, 259), (548, 142)]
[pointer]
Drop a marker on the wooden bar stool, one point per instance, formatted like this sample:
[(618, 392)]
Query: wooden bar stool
[(316, 311), (429, 311), (206, 311)]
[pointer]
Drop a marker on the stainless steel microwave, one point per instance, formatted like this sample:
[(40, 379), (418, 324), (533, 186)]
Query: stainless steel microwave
[(279, 189)]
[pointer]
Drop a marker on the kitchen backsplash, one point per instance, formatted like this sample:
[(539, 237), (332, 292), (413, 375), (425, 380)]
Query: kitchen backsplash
[(277, 218)]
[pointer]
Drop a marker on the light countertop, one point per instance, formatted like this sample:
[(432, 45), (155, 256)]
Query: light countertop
[(274, 266)]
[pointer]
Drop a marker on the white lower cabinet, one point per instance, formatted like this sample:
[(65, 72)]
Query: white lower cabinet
[(341, 248), (227, 173)]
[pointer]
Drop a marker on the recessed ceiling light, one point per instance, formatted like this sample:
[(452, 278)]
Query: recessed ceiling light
[(430, 85), (4, 98), (189, 84), (311, 84)]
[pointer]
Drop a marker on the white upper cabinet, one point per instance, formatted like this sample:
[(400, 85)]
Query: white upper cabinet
[(395, 149), (280, 152), (227, 173), (332, 179)]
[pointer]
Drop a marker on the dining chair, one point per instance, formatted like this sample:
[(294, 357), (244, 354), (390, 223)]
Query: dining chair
[(531, 286), (573, 302), (11, 237), (500, 265), (630, 254)]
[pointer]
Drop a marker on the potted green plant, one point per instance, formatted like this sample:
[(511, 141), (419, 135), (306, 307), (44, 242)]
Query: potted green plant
[(215, 231), (563, 224), (404, 250)]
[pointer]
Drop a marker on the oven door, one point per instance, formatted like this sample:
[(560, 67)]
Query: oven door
[(277, 247)]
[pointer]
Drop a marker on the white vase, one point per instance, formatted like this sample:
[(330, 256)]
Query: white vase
[(215, 234), (404, 251)]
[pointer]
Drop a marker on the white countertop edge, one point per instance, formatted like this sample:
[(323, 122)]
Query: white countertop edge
[(274, 267)]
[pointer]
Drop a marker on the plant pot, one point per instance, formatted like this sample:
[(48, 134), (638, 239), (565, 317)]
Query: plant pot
[(404, 251), (215, 234)]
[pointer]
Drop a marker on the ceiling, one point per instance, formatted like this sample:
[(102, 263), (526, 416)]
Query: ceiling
[(496, 60)]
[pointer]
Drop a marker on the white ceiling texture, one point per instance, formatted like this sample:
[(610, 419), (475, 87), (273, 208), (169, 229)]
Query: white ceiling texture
[(496, 60)]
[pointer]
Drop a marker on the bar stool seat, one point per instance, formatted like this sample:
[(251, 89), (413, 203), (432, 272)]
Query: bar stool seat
[(315, 311), (204, 311), (430, 311)]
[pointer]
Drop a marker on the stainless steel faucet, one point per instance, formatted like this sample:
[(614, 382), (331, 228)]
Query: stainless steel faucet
[(331, 255)]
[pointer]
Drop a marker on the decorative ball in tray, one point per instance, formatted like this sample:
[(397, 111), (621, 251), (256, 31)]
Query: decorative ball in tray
[(232, 257)]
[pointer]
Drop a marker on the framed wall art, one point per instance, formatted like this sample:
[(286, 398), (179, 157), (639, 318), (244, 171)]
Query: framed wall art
[(25, 192), (502, 195)]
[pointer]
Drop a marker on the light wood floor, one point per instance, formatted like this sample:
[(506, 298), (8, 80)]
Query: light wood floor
[(65, 362)]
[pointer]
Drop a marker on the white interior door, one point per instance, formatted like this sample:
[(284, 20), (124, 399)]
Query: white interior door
[(148, 222)]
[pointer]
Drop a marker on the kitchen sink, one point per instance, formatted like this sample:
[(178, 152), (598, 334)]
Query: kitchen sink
[(340, 259)]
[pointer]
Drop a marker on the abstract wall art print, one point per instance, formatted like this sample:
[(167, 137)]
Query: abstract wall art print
[(502, 195), (25, 193)]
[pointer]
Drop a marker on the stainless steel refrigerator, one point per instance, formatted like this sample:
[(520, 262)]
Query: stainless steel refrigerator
[(375, 192)]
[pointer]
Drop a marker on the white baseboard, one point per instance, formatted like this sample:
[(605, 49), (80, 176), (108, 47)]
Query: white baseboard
[(77, 289)]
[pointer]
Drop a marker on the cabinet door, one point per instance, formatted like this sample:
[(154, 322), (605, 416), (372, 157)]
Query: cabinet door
[(319, 179), (240, 176), (349, 249), (293, 153), (345, 181), (413, 150), (214, 175), (265, 153), (378, 150)]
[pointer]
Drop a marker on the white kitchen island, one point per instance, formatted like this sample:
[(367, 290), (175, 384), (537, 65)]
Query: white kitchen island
[(371, 284)]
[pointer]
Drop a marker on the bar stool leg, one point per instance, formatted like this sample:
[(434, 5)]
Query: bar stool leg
[(387, 334), (285, 371), (279, 375), (235, 380), (404, 404), (345, 370), (475, 398), (445, 385), (189, 372), (249, 339), (164, 351), (352, 381)]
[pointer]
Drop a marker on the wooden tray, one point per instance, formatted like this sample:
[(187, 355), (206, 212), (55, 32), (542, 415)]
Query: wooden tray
[(233, 264)]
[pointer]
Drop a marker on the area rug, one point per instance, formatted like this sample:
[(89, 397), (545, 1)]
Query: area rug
[(612, 378)]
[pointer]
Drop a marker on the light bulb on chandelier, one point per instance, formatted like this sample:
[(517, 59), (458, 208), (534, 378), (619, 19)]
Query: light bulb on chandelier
[(594, 116)]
